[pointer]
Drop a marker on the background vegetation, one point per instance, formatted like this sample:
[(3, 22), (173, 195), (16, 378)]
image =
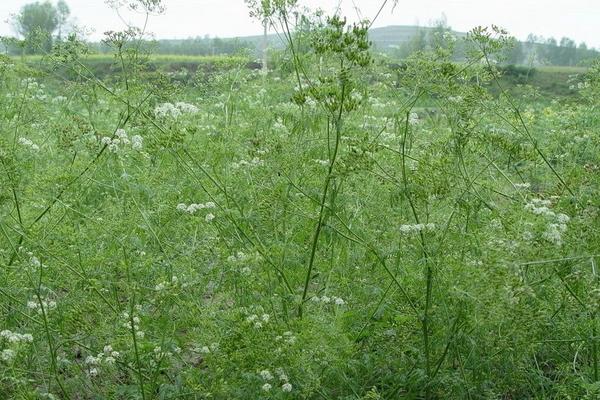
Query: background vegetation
[(339, 226)]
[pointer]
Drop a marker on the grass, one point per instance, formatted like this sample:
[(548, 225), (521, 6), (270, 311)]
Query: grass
[(549, 80), (158, 58)]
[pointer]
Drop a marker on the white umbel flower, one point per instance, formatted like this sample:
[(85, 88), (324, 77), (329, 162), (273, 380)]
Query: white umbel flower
[(266, 387)]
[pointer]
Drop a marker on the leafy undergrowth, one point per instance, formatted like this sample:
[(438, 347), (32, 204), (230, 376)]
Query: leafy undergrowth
[(332, 231)]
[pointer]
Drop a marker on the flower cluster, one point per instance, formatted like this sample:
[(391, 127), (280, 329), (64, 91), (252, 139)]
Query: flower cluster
[(268, 377), (413, 118), (132, 323), (377, 103), (540, 207), (193, 208), (280, 128), (323, 163), (338, 301), (34, 261), (238, 257), (241, 259), (554, 232), (210, 129), (108, 357), (36, 89), (47, 305), (203, 350), (556, 223), (257, 321), (255, 162), (159, 353), (206, 349), (581, 139), (165, 110), (6, 65), (580, 86), (449, 36), (287, 337), (167, 285), (7, 355), (28, 143), (416, 228), (14, 339), (121, 138), (137, 142), (186, 107), (209, 217), (387, 137)]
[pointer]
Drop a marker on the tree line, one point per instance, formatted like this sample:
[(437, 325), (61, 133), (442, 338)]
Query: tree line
[(38, 26), (536, 50), (199, 46)]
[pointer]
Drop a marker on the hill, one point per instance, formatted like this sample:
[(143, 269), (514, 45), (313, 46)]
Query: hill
[(383, 37)]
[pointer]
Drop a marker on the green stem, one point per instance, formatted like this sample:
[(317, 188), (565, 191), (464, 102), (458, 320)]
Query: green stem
[(313, 249), (425, 323)]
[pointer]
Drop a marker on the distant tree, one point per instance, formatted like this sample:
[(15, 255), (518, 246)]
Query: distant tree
[(549, 52), (585, 55), (36, 22), (530, 50), (539, 50), (13, 45), (438, 34), (582, 53), (417, 42), (63, 13), (568, 51), (438, 37), (515, 54), (264, 11)]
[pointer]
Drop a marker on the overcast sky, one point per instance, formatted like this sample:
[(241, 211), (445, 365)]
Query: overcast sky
[(577, 19)]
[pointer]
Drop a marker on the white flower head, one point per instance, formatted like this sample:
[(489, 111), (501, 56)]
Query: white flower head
[(266, 375), (137, 142), (110, 360), (28, 143), (91, 360), (7, 355), (121, 134), (266, 387)]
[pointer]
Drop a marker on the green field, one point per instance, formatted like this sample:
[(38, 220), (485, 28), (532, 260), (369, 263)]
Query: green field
[(155, 58), (551, 80), (338, 228)]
